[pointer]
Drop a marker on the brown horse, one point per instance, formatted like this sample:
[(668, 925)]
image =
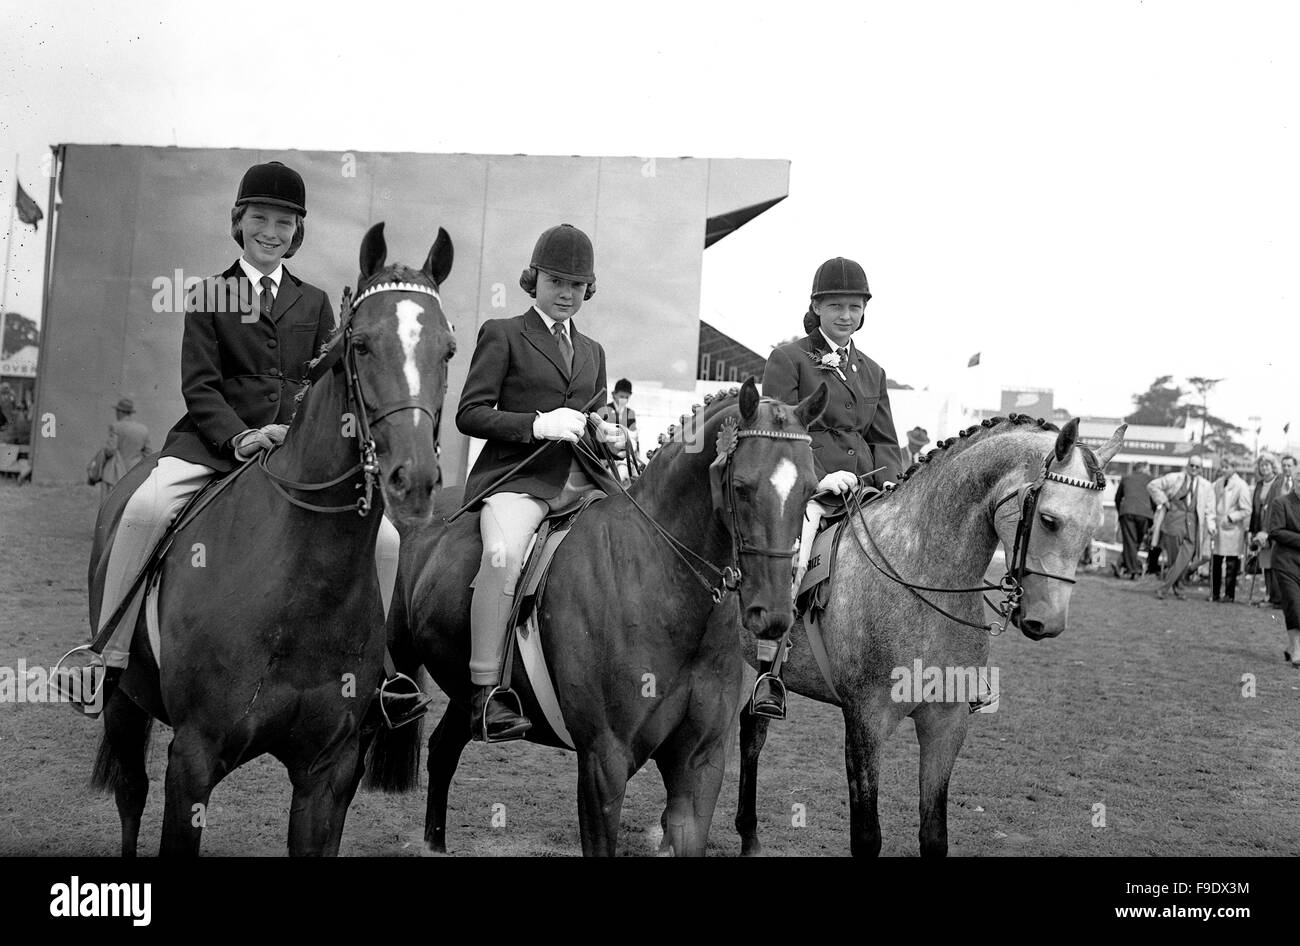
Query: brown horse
[(1009, 480), (639, 672), (271, 622)]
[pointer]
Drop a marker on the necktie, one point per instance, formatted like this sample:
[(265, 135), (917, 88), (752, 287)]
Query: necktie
[(566, 347), (268, 297), (844, 356)]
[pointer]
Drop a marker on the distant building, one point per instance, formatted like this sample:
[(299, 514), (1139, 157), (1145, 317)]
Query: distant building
[(725, 360)]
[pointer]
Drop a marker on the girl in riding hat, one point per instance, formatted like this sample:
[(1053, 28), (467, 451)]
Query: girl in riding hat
[(249, 333), (853, 438), (530, 379)]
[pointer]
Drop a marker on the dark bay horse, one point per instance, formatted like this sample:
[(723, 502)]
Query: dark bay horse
[(624, 618), (938, 529), (271, 621)]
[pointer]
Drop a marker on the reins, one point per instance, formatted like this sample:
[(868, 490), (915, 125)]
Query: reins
[(721, 469), (1017, 563)]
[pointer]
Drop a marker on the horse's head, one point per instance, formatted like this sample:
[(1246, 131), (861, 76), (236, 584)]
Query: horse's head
[(398, 342), (762, 477), (1048, 522)]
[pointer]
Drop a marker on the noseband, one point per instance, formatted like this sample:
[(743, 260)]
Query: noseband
[(368, 465)]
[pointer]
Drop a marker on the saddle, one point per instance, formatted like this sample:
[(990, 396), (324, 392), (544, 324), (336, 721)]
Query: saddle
[(535, 678)]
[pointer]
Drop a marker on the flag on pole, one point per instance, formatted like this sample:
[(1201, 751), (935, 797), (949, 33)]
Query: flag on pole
[(974, 360), (28, 212)]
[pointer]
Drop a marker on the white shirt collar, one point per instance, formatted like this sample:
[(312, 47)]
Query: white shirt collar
[(551, 323), (255, 276), (848, 344)]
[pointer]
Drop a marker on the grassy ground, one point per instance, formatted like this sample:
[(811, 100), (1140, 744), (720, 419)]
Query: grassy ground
[(1139, 707)]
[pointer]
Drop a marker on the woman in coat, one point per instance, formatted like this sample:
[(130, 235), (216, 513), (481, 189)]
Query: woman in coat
[(1284, 533), (854, 439)]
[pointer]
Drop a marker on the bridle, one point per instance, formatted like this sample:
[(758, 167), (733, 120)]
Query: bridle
[(1017, 563), (368, 464), (722, 486)]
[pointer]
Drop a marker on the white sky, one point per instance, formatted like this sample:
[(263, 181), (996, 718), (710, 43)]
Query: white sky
[(1090, 194)]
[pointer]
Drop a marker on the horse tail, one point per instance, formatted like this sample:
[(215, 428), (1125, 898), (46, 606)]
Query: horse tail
[(393, 760), (108, 772)]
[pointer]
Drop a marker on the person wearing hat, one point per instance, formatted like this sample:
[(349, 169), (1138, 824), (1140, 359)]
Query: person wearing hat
[(528, 381), (917, 438), (617, 412), (128, 442), (249, 333), (853, 439)]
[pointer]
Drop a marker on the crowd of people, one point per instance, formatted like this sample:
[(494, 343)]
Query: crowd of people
[(1236, 528)]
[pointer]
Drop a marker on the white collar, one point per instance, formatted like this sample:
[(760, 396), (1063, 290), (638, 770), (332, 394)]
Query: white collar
[(551, 323), (848, 344), (255, 275)]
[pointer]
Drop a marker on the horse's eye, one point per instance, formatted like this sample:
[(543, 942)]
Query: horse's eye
[(1050, 523), (359, 346)]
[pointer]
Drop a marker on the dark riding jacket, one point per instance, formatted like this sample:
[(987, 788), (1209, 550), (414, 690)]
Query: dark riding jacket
[(236, 372), (516, 372), (856, 431)]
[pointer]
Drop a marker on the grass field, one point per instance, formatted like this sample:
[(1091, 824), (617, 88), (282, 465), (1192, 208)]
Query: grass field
[(1139, 707)]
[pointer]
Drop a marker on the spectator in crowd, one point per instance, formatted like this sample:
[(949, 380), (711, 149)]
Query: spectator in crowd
[(1265, 478), (128, 442), (1280, 486), (617, 412), (917, 438), (1133, 503), (1284, 533), (1232, 515), (1184, 521)]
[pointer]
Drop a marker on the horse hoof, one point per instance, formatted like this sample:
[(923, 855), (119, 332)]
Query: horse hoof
[(751, 849)]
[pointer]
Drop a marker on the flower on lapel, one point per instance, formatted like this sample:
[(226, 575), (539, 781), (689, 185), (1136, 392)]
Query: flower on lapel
[(828, 361)]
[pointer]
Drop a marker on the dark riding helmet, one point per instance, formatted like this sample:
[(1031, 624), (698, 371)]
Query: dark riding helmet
[(565, 252), (837, 277), (275, 184)]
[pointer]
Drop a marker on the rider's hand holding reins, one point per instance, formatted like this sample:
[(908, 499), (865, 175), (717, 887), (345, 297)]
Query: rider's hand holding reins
[(563, 423), (276, 432), (840, 481), (250, 443), (611, 434)]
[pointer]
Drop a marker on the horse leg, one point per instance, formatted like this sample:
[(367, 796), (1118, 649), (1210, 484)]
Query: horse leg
[(603, 771), (940, 730), (322, 791), (692, 775), (126, 734), (866, 727), (194, 768), (753, 734), (446, 744)]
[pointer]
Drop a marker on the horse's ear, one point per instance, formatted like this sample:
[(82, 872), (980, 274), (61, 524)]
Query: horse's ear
[(749, 401), (1111, 447), (373, 251), (810, 408), (1066, 439), (438, 264)]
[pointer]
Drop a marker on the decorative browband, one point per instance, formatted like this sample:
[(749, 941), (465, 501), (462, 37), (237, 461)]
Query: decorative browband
[(1071, 481), (396, 287), (774, 434)]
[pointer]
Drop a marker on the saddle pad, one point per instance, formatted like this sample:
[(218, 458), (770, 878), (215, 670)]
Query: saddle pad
[(539, 677), (819, 562)]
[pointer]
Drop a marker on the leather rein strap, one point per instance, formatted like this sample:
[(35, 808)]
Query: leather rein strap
[(1017, 564), (368, 464)]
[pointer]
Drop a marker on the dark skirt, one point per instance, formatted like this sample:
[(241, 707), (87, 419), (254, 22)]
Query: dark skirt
[(1288, 587)]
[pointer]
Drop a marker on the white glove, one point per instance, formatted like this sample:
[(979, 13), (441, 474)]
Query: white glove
[(1261, 538), (250, 442), (841, 481), (611, 434), (563, 423), (276, 432)]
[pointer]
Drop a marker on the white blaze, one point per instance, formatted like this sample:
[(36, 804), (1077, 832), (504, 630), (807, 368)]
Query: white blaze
[(783, 479), (408, 331)]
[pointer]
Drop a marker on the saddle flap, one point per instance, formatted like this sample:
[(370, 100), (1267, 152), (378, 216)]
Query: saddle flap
[(819, 562)]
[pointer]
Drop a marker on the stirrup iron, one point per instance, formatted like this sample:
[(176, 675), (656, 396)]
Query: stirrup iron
[(417, 696), (87, 707)]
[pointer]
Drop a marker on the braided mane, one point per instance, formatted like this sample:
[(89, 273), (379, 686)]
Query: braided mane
[(712, 403), (981, 432)]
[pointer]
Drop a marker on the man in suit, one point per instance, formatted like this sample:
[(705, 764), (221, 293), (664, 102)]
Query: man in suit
[(128, 442), (248, 335), (528, 381), (853, 437), (1133, 503), (1185, 506), (1232, 515)]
